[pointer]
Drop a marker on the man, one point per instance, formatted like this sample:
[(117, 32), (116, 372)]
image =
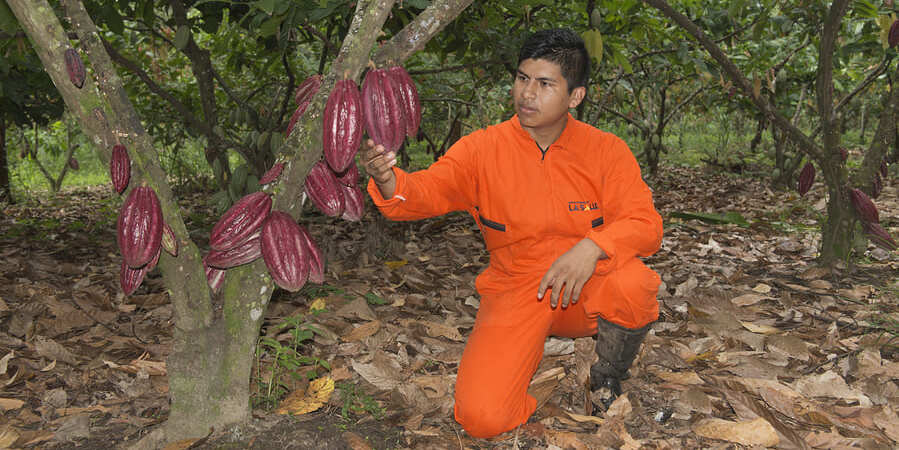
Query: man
[(564, 213)]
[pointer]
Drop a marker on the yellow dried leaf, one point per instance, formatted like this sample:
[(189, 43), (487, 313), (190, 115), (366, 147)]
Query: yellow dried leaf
[(362, 331), (8, 436), (317, 394), (396, 264), (760, 329), (687, 377), (7, 404), (317, 305), (752, 432)]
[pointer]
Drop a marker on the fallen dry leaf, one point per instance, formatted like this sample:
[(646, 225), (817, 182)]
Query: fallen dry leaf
[(316, 395), (752, 432)]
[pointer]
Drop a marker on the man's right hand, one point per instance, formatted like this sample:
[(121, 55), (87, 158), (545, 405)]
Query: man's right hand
[(379, 166)]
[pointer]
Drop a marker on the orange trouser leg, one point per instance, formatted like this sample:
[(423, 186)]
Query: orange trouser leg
[(506, 344)]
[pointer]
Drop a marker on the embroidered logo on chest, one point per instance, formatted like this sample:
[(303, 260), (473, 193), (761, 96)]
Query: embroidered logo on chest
[(582, 206)]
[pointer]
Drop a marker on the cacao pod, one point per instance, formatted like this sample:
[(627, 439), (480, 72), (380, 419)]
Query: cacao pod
[(806, 178), (169, 243), (152, 264), (296, 116), (307, 89), (883, 168), (130, 279), (316, 262), (73, 164), (272, 174), (140, 227), (75, 67), (893, 38), (215, 277), (324, 190), (284, 251), (237, 256), (240, 222), (409, 97), (876, 186), (844, 154), (863, 205), (382, 110), (120, 168), (355, 203), (879, 236), (342, 129), (349, 177)]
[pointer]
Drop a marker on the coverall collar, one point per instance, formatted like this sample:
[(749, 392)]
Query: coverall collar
[(563, 140)]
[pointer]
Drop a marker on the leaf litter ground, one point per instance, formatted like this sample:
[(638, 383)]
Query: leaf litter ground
[(755, 345)]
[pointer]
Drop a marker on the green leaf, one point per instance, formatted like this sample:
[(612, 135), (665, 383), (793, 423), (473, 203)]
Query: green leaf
[(181, 37), (8, 22), (730, 217), (266, 5), (270, 26)]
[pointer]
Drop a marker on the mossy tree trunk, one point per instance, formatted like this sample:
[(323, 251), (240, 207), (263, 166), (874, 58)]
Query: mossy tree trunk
[(210, 363)]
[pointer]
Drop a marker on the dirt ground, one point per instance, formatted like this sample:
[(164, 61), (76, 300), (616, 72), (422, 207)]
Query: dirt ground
[(755, 347)]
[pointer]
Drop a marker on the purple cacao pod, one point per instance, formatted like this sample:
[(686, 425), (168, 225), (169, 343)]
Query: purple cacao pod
[(342, 129), (355, 203), (240, 222), (284, 251), (120, 168), (863, 205), (75, 67), (316, 262), (237, 256), (382, 110), (324, 190), (409, 96), (272, 174), (307, 89), (214, 277), (806, 178), (349, 177), (140, 227), (130, 279)]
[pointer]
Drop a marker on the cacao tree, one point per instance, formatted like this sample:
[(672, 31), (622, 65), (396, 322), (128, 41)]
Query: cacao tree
[(841, 223), (214, 335)]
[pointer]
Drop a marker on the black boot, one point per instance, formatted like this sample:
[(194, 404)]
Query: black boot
[(616, 347)]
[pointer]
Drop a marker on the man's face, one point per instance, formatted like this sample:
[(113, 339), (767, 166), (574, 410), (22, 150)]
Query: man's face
[(540, 94)]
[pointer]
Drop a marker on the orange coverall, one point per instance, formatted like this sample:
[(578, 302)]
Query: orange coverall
[(532, 207)]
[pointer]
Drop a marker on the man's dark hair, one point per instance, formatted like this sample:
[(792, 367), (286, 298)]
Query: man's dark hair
[(563, 47)]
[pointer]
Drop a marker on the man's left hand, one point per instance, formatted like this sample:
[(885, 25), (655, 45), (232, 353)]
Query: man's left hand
[(570, 272)]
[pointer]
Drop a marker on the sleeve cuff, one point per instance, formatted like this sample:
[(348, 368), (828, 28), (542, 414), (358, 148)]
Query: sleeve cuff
[(398, 194), (603, 266)]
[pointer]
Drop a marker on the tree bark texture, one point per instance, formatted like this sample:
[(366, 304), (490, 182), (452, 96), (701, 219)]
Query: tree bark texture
[(5, 187)]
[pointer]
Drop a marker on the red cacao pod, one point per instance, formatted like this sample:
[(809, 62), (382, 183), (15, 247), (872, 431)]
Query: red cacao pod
[(876, 186), (879, 236), (140, 227), (240, 222), (130, 279), (844, 154), (214, 277), (296, 116), (169, 243), (119, 168), (284, 251), (382, 110), (893, 38), (863, 205), (75, 67), (316, 262), (355, 203), (152, 264), (324, 190), (237, 256), (73, 164), (272, 174), (342, 129), (307, 89), (349, 177), (409, 97), (806, 178)]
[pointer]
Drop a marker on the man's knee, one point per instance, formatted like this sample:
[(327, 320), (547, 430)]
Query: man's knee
[(483, 420)]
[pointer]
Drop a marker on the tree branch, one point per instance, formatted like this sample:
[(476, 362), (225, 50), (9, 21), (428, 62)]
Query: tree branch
[(417, 33)]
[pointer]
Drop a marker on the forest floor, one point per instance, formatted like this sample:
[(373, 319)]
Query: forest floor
[(755, 346)]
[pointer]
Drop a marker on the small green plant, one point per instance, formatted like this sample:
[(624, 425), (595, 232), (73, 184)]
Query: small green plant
[(374, 299), (277, 362), (357, 403)]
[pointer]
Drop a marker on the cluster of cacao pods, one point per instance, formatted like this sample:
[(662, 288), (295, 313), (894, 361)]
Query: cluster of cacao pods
[(250, 229), (304, 93), (391, 107), (336, 195), (870, 219), (142, 235)]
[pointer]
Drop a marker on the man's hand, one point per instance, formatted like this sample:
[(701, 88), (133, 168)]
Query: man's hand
[(379, 165), (570, 272)]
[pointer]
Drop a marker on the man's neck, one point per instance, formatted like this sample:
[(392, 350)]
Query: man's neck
[(546, 136)]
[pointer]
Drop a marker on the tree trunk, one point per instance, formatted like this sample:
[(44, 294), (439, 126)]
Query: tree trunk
[(5, 187)]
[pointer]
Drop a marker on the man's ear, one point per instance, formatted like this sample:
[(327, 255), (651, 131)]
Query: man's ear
[(577, 96)]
